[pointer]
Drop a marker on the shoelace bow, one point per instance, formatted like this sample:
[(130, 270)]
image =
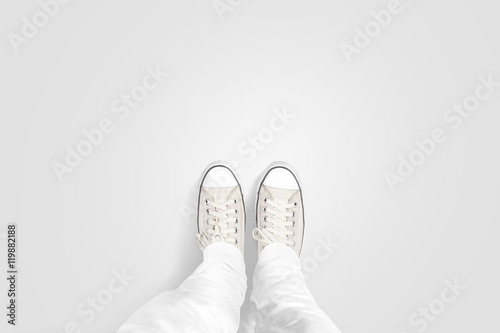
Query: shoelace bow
[(218, 228), (274, 227)]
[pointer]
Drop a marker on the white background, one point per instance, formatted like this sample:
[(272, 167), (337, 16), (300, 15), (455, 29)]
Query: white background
[(127, 205)]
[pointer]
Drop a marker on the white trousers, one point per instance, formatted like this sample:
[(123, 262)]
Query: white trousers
[(210, 299)]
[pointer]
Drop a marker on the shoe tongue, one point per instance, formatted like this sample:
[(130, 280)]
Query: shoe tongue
[(280, 195), (220, 194)]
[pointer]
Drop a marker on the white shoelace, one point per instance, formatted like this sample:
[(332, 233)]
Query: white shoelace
[(274, 227), (217, 224)]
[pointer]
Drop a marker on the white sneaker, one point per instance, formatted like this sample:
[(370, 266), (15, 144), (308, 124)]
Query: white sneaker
[(280, 212), (221, 210)]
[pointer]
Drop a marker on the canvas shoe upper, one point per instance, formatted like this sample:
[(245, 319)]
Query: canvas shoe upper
[(280, 212), (221, 210)]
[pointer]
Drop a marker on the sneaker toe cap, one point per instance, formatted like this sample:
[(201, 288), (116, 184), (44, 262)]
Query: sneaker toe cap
[(219, 176), (281, 178)]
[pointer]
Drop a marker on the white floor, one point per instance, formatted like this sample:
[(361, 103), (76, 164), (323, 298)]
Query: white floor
[(128, 205)]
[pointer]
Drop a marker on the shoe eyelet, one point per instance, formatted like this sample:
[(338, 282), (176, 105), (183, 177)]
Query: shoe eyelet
[(236, 211), (264, 209), (208, 221), (235, 201), (206, 202), (208, 212), (293, 223), (236, 221), (293, 243), (236, 230), (293, 214), (235, 241), (265, 199), (295, 204), (265, 218)]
